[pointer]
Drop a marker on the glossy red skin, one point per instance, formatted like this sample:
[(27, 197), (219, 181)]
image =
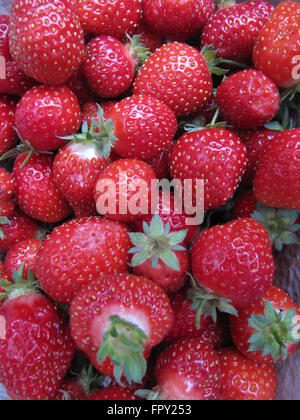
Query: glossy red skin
[(77, 252), (108, 67), (7, 185), (80, 87), (55, 49), (278, 43), (4, 43), (3, 276), (234, 261), (113, 17), (245, 206), (7, 208), (233, 30), (24, 252), (36, 192), (135, 171), (177, 75), (90, 111), (8, 136), (215, 155), (188, 370), (23, 8), (241, 330), (277, 180), (21, 227), (16, 81), (134, 299), (149, 39), (38, 349), (217, 335), (144, 127), (112, 393), (70, 389), (244, 380), (248, 99), (46, 113)]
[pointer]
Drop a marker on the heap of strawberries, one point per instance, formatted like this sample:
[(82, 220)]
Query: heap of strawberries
[(134, 306)]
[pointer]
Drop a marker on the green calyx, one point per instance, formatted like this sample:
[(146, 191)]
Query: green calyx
[(138, 50), (274, 331), (157, 243), (100, 134), (281, 224), (19, 286), (3, 221), (198, 124), (213, 62), (124, 344), (150, 395)]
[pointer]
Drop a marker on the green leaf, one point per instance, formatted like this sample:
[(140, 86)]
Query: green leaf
[(170, 259), (178, 237), (139, 259), (156, 226), (138, 239)]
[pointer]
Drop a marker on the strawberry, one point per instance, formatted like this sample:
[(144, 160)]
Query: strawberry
[(187, 370), (177, 75), (80, 87), (112, 393), (268, 329), (7, 208), (245, 206), (214, 155), (218, 335), (36, 192), (277, 45), (160, 163), (22, 253), (115, 17), (4, 42), (179, 20), (55, 48), (123, 190), (8, 136), (277, 181), (244, 380), (45, 114), (7, 185), (77, 252), (248, 99), (23, 8), (37, 349), (149, 39), (116, 320), (70, 390), (160, 255), (90, 111), (233, 30), (239, 268), (18, 227)]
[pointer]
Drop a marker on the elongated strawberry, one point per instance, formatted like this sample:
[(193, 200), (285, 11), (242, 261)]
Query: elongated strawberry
[(36, 192), (77, 252), (117, 331), (22, 253), (8, 136)]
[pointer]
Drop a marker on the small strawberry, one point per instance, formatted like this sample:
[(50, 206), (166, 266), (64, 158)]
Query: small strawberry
[(177, 75), (277, 180), (180, 20), (80, 87), (8, 136), (218, 335), (112, 393), (248, 99), (37, 349), (245, 206), (269, 328), (233, 30), (77, 252), (36, 192), (45, 114), (115, 17), (116, 320), (244, 380), (7, 185), (7, 208)]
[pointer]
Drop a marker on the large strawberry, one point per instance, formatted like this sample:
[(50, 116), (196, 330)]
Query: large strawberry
[(8, 136), (233, 30), (36, 192), (277, 180), (36, 348), (77, 252), (178, 20), (117, 320), (177, 75), (276, 52), (45, 114)]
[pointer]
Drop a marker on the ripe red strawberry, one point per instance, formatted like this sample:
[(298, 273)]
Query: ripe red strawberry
[(245, 206), (244, 380), (248, 99), (36, 348), (123, 190), (233, 30), (177, 75), (277, 47), (24, 8), (218, 335), (160, 164), (70, 390), (55, 48), (4, 42), (44, 114), (178, 20), (117, 320), (7, 208), (80, 87), (233, 261), (3, 276), (36, 192), (8, 136), (7, 185), (215, 156), (19, 228), (112, 393), (22, 253), (149, 39), (277, 180), (78, 252), (269, 328)]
